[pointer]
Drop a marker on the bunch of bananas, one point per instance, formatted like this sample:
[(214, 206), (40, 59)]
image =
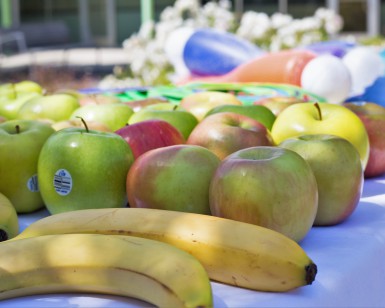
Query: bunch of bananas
[(163, 257)]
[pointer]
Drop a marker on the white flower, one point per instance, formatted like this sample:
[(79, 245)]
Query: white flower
[(279, 20)]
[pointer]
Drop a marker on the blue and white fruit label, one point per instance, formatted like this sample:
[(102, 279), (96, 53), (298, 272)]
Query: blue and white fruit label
[(62, 182), (32, 184)]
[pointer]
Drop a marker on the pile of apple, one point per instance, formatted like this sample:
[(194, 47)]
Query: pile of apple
[(280, 163)]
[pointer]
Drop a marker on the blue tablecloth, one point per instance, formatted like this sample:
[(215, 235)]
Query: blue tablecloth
[(350, 259)]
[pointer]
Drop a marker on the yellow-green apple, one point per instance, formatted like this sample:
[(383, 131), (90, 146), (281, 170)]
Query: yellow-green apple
[(183, 120), (150, 134), (20, 143), (98, 99), (9, 221), (77, 122), (199, 103), (173, 178), (373, 117), (80, 168), (113, 116), (267, 186), (28, 86), (137, 105), (25, 86), (55, 107), (278, 103), (258, 112), (227, 132), (338, 170), (323, 118), (10, 107)]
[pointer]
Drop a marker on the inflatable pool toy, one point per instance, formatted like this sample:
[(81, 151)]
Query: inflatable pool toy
[(334, 47), (327, 76), (365, 66), (207, 52), (277, 67)]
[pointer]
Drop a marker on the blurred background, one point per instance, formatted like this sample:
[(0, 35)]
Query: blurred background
[(119, 27)]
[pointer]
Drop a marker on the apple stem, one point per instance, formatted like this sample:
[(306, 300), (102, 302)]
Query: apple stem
[(17, 127), (319, 111), (84, 123), (174, 108), (14, 94)]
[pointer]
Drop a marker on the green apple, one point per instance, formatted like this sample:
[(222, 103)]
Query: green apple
[(199, 103), (114, 115), (78, 123), (28, 86), (338, 170), (54, 107), (20, 143), (163, 106), (173, 178), (224, 133), (373, 117), (324, 118), (9, 221), (267, 186), (9, 108), (183, 120), (257, 112), (80, 168), (25, 86)]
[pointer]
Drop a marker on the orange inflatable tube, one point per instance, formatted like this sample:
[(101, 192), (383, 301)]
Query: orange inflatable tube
[(278, 67)]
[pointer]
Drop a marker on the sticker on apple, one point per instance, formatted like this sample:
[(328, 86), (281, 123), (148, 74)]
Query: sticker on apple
[(32, 183), (62, 182)]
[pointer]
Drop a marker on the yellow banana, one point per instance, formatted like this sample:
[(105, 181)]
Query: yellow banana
[(9, 222), (232, 252), (111, 264)]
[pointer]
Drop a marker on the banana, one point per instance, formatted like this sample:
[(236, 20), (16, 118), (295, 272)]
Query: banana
[(149, 270), (9, 222), (232, 252)]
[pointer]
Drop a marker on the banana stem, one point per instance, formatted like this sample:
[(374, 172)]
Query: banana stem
[(3, 235), (311, 272)]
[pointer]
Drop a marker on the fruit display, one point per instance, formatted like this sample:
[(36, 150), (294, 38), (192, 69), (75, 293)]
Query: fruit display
[(176, 189)]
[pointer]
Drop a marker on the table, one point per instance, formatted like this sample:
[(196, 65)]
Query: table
[(350, 259)]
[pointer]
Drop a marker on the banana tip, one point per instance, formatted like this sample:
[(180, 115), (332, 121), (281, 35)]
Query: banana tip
[(311, 272), (3, 235)]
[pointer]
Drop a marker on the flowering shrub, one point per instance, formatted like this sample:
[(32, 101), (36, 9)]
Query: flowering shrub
[(148, 62)]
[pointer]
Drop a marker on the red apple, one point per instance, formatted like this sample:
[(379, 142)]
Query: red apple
[(175, 178), (98, 99), (226, 132), (278, 103), (150, 134), (142, 103), (373, 117)]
